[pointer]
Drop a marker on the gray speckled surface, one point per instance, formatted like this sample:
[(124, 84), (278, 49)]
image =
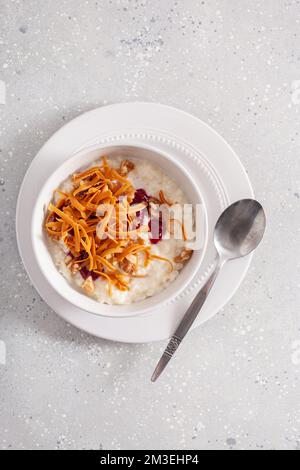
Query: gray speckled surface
[(235, 383)]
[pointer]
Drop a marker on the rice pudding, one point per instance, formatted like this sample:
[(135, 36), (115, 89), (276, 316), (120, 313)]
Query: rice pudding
[(112, 231)]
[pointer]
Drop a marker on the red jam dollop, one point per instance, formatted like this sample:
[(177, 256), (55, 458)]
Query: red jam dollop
[(156, 225)]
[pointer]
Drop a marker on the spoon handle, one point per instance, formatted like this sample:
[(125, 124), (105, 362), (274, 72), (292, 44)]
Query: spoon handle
[(187, 321)]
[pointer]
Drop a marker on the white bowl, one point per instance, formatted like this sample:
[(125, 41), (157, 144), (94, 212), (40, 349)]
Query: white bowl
[(85, 157)]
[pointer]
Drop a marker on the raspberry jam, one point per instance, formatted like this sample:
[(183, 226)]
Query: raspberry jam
[(85, 273), (141, 196), (156, 225)]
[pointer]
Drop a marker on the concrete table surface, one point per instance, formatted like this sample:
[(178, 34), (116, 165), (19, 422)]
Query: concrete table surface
[(235, 382)]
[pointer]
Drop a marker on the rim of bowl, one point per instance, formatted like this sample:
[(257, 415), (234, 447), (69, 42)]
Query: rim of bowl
[(93, 306)]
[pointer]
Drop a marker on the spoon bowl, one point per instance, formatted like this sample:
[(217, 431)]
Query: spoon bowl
[(239, 229)]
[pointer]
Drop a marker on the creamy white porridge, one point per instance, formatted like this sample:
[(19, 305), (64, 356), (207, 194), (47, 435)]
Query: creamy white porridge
[(156, 258)]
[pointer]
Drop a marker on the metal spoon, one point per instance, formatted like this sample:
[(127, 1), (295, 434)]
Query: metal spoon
[(237, 233)]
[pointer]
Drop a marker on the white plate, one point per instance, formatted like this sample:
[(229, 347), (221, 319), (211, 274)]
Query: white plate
[(215, 165)]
